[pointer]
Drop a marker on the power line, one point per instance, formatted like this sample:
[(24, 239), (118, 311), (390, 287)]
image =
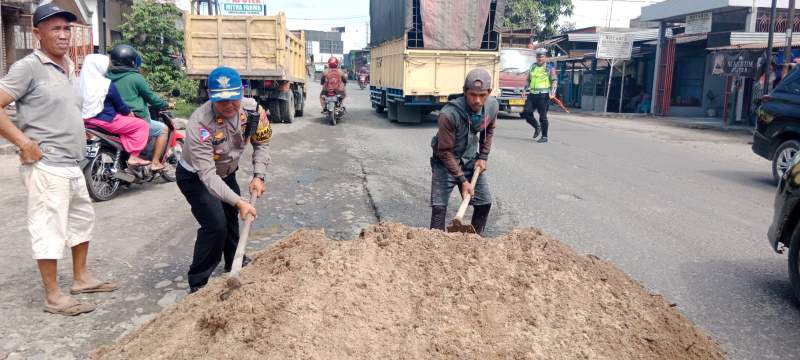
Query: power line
[(331, 18)]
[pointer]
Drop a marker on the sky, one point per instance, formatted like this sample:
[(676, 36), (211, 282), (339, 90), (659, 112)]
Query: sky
[(354, 15), (589, 13)]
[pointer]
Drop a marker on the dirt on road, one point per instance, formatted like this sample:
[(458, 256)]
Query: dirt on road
[(400, 292)]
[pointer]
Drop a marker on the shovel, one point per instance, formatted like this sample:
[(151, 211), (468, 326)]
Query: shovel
[(233, 281), (457, 225)]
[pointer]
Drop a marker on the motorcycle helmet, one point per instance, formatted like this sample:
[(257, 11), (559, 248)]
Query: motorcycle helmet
[(540, 52), (125, 55), (333, 62)]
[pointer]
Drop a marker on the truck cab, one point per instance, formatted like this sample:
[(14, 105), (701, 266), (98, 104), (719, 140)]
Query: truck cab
[(514, 66)]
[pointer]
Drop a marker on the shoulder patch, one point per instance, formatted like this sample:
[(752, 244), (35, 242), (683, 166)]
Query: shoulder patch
[(204, 134)]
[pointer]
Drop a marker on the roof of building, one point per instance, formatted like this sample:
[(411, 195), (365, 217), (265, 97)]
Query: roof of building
[(676, 10)]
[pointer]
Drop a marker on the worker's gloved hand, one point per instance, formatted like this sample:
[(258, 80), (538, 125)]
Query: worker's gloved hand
[(245, 208), (466, 189), (257, 187)]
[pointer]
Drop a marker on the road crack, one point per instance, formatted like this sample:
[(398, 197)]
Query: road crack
[(370, 199)]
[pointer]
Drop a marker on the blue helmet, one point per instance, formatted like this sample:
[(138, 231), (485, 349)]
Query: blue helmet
[(224, 83)]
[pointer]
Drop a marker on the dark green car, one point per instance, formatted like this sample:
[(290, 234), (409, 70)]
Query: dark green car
[(784, 233)]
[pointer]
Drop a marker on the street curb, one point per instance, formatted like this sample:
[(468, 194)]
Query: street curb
[(658, 120)]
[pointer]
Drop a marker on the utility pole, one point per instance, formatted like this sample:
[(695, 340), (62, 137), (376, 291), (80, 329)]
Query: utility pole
[(770, 37), (610, 12), (101, 19), (787, 51)]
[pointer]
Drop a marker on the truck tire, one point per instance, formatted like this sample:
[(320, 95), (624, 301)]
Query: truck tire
[(274, 110), (392, 111), (380, 106), (794, 261), (287, 109), (299, 104), (783, 158)]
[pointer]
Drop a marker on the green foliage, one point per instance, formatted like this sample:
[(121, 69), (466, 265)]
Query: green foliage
[(184, 109), (540, 15), (152, 28)]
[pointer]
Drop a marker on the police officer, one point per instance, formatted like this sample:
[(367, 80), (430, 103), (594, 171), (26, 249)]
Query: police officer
[(216, 135), (461, 147), (541, 86)]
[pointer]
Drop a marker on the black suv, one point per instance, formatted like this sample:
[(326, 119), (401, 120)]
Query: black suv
[(777, 135), (784, 233)]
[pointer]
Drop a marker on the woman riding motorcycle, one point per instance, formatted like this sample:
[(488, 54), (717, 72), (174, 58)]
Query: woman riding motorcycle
[(136, 92)]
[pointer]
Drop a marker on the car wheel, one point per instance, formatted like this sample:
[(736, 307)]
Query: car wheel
[(783, 158), (794, 263)]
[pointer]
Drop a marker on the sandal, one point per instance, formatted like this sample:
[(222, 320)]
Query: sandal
[(103, 286), (73, 308)]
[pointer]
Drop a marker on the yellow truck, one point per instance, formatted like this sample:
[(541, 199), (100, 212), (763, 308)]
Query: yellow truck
[(270, 58), (414, 72)]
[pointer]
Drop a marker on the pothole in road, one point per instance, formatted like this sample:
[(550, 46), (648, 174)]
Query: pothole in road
[(568, 197)]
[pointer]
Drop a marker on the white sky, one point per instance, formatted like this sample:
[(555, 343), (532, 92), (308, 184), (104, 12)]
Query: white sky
[(354, 15), (322, 15), (587, 13)]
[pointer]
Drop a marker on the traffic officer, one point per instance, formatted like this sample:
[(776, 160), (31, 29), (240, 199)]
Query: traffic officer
[(216, 135), (541, 87), (461, 146)]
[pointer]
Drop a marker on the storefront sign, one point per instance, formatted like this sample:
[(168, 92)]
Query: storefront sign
[(243, 7), (738, 63), (698, 23), (614, 46)]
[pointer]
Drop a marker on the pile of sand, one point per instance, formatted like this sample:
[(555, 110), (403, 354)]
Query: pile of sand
[(400, 292)]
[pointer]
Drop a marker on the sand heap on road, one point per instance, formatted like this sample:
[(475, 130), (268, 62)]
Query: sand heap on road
[(400, 292)]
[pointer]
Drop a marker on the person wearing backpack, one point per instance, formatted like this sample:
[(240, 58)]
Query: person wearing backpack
[(333, 79)]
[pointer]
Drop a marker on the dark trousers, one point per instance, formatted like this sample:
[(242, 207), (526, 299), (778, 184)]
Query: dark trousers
[(539, 103), (218, 234)]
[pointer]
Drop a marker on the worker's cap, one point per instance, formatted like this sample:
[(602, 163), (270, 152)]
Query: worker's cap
[(224, 84), (50, 10), (478, 79)]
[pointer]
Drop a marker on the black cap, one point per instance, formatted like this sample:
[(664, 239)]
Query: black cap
[(47, 11)]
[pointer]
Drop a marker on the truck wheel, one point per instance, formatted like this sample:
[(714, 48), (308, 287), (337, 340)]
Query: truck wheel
[(274, 110), (300, 104), (794, 261), (379, 107), (783, 158), (392, 111), (287, 109)]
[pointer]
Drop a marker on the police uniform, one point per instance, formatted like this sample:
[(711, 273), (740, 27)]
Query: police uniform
[(542, 80), (206, 174)]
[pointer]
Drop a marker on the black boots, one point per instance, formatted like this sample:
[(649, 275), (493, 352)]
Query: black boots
[(438, 217), (480, 215), (542, 140)]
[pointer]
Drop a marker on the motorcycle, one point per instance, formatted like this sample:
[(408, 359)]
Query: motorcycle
[(333, 107), (363, 80), (106, 165)]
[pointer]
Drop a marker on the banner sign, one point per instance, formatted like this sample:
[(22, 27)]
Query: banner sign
[(737, 63), (698, 23), (243, 7), (614, 46)]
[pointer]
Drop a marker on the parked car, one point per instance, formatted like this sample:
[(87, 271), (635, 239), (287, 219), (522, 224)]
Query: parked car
[(777, 135), (784, 233)]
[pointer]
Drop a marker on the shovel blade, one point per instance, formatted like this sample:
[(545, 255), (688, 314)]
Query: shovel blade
[(457, 226)]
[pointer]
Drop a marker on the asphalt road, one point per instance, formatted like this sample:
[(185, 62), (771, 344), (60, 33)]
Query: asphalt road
[(684, 211)]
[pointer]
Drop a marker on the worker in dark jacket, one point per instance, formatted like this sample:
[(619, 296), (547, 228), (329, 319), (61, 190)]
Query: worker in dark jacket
[(461, 146)]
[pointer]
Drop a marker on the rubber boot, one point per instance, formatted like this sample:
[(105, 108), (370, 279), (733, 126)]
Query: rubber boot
[(480, 214), (438, 217)]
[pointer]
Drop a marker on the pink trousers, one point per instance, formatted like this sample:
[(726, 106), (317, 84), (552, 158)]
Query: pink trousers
[(132, 131)]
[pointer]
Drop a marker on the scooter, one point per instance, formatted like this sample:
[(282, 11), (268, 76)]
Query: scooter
[(106, 164), (333, 107), (363, 80)]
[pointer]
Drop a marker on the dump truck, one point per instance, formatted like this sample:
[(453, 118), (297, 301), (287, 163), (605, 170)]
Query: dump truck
[(421, 51), (514, 66), (270, 59)]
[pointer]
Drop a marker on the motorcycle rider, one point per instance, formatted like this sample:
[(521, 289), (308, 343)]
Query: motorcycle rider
[(333, 79), (363, 72), (541, 86), (136, 92)]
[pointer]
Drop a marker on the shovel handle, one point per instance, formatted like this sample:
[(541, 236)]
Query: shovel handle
[(243, 236), (465, 203)]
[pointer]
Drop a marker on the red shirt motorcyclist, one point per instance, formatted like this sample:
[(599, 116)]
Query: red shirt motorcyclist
[(333, 79)]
